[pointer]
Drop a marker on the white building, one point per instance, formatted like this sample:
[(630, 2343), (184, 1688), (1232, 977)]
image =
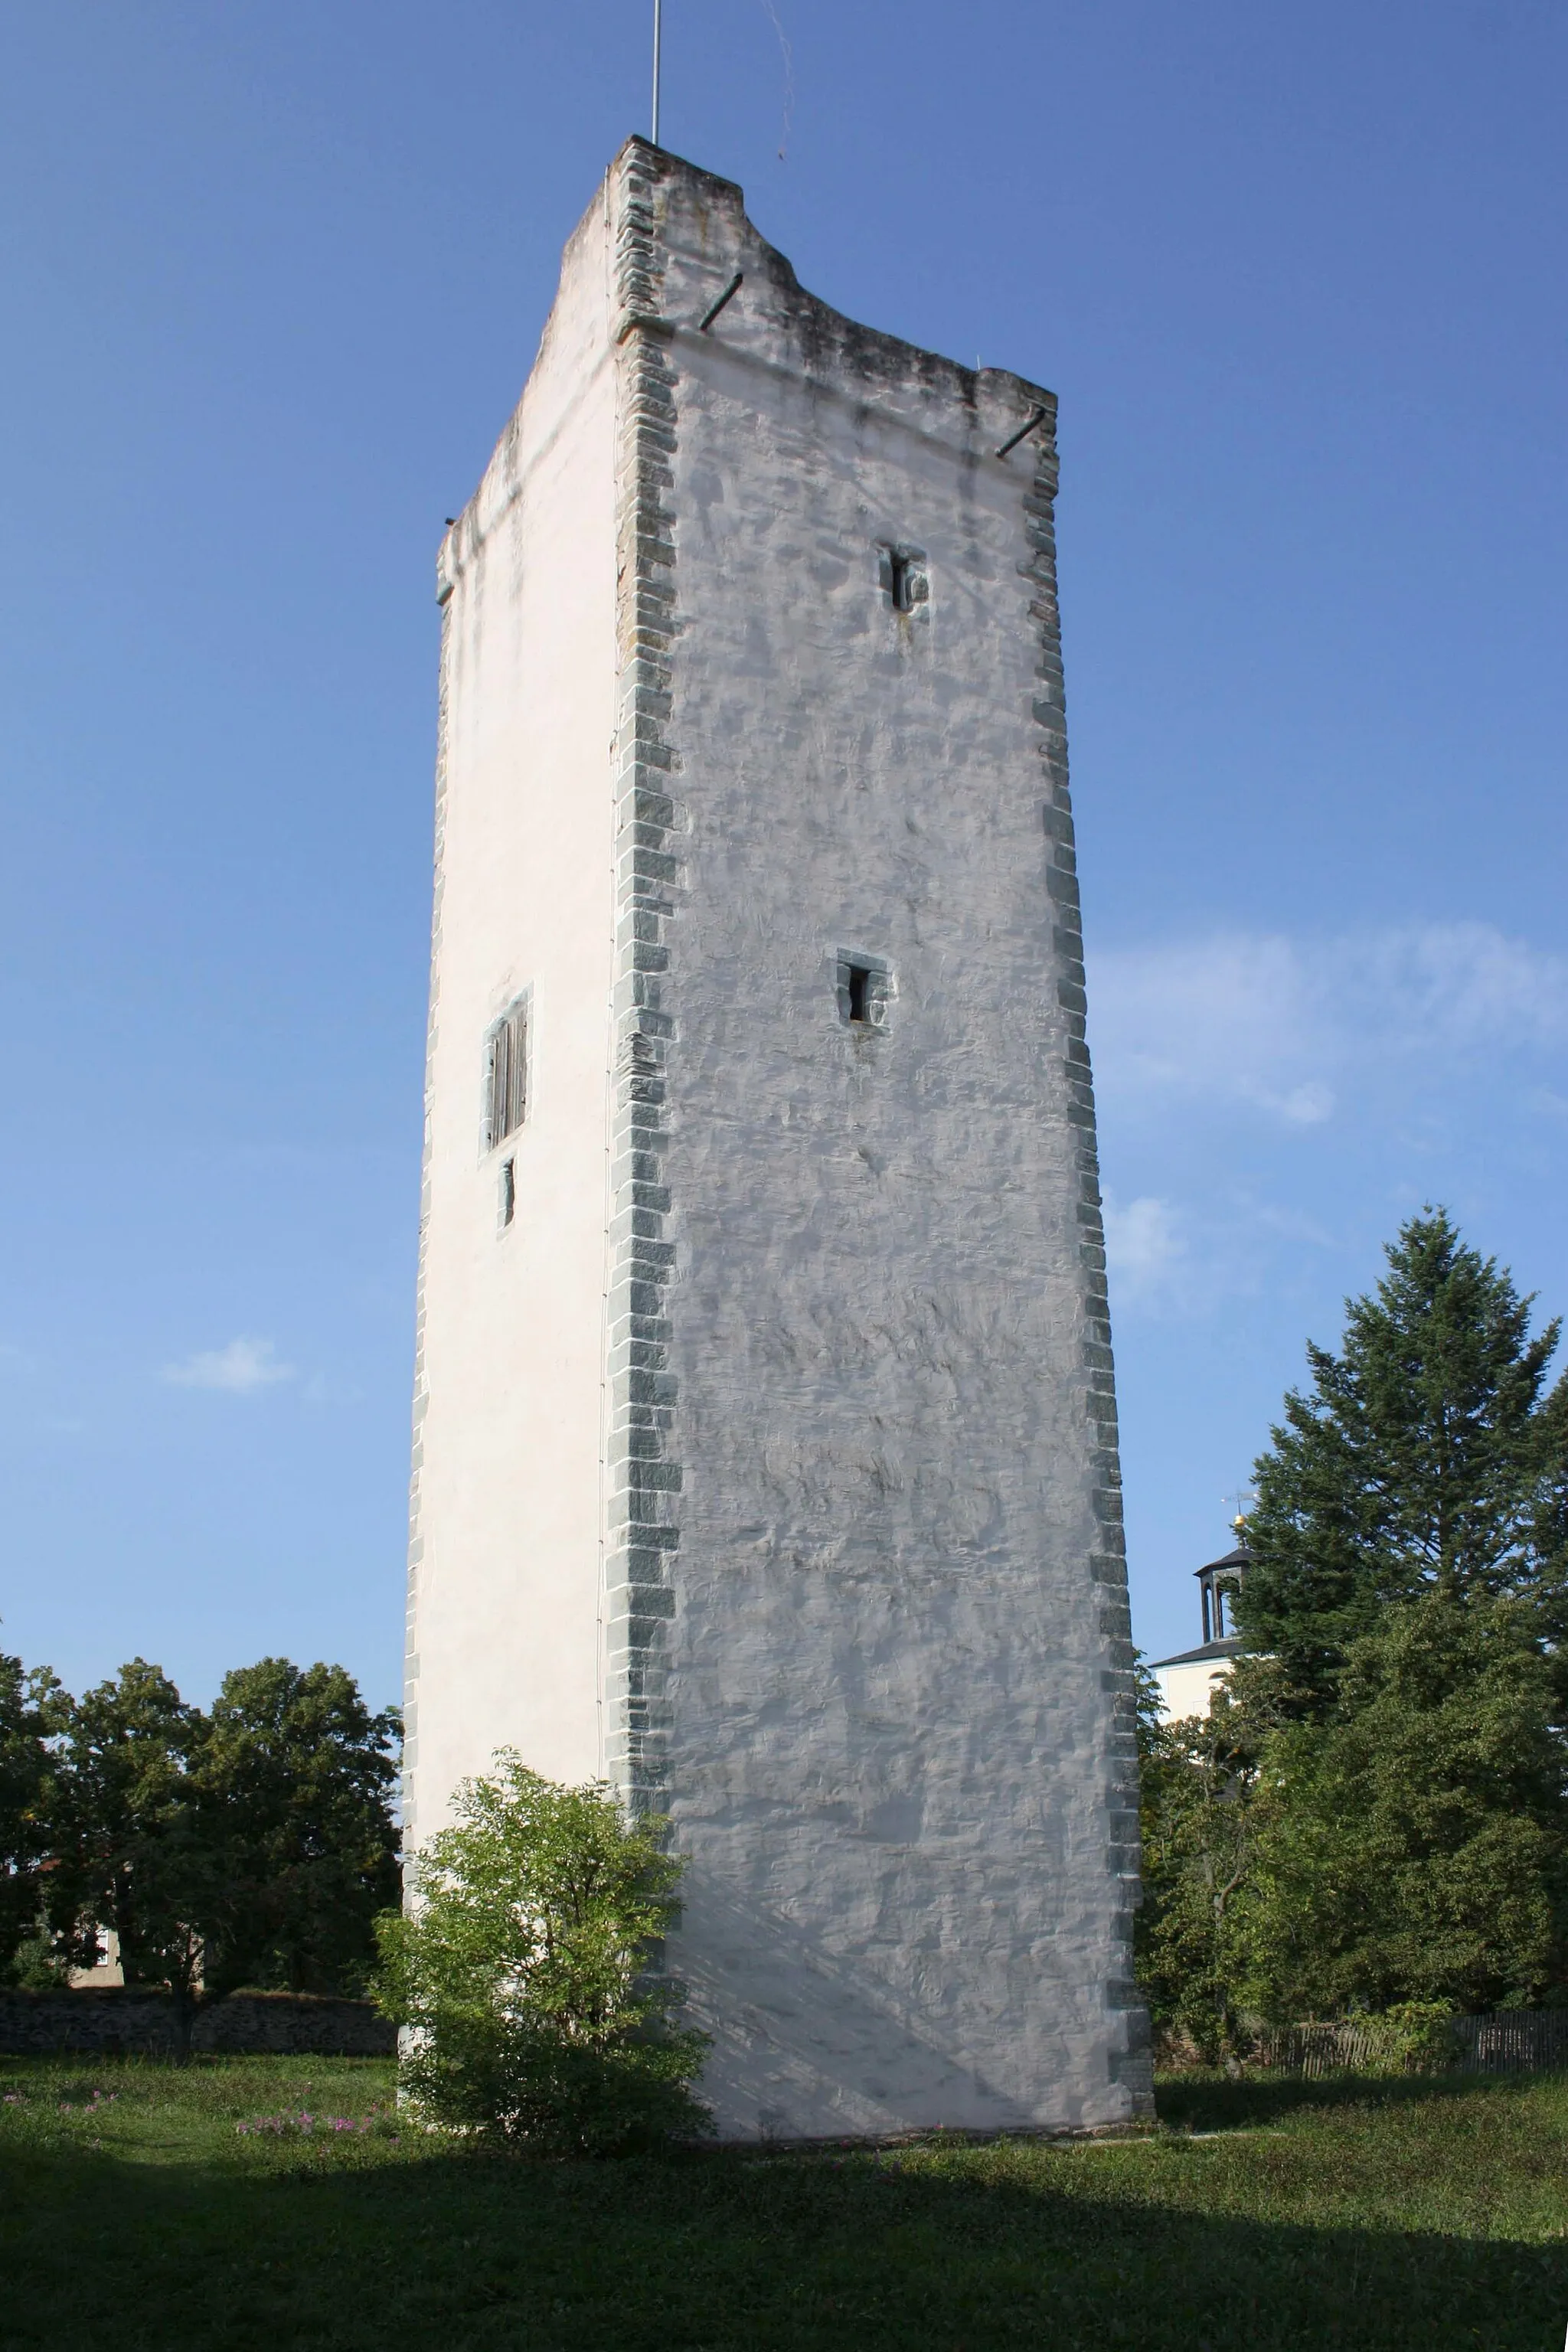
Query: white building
[(1189, 1680), (107, 1969), (766, 1443)]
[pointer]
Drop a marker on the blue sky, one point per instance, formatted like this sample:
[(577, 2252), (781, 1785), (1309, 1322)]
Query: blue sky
[(272, 279)]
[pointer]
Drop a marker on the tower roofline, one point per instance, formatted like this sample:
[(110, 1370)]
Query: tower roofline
[(848, 336), (990, 409)]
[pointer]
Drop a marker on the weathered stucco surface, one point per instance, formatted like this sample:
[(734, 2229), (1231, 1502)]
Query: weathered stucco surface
[(845, 1510)]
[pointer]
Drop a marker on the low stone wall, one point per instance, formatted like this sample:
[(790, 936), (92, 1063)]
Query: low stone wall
[(123, 2020)]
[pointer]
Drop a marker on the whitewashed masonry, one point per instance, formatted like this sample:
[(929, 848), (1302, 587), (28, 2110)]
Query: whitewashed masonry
[(766, 1452)]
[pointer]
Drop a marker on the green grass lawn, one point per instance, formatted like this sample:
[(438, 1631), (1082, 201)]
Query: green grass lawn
[(1419, 2214)]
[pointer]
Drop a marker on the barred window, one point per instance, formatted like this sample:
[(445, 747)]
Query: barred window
[(506, 1075)]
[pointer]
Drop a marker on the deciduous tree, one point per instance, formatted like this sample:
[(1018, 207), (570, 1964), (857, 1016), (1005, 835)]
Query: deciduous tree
[(1414, 1846), (1199, 1790), (30, 1713), (296, 1775), (134, 1840)]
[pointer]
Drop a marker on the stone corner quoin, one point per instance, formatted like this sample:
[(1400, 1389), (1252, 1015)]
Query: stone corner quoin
[(765, 1449)]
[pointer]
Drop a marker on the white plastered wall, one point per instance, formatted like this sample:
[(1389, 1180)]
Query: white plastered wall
[(1189, 1689), (888, 1742), (505, 1588)]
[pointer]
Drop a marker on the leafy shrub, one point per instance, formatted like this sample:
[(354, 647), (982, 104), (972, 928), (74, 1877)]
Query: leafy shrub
[(37, 1965), (524, 1972), (1414, 2037)]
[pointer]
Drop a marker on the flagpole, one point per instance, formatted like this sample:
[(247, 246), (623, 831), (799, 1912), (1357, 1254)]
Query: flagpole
[(657, 29)]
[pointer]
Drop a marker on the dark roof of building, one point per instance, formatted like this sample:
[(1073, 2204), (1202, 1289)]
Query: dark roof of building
[(1239, 1558), (1230, 1647)]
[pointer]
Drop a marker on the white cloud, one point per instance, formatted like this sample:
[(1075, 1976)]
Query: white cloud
[(1306, 1105), (239, 1369), (1142, 1245), (1295, 1028), (1462, 984)]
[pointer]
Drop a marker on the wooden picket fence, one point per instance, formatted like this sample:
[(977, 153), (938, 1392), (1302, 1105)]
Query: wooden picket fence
[(1508, 2041), (1512, 2042)]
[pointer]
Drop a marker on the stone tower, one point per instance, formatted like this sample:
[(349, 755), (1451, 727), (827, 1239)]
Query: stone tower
[(765, 1453)]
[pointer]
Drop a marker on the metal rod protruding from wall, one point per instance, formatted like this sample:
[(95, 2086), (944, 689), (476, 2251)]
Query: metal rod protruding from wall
[(657, 45), (713, 308), (1023, 433)]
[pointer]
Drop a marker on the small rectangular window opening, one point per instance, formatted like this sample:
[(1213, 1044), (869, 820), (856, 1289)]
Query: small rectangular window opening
[(506, 1077), (903, 575), (507, 1191), (864, 989)]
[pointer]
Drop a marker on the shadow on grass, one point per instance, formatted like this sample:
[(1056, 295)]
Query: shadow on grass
[(723, 2254)]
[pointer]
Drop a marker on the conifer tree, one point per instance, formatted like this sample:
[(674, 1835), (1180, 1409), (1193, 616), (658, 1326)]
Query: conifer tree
[(1377, 1810), (1427, 1456)]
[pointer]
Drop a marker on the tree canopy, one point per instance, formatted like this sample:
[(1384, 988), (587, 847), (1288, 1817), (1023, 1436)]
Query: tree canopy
[(1375, 1810), (29, 1714), (131, 1848), (1427, 1454), (296, 1776), (255, 1844), (1199, 1780), (1415, 1846)]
